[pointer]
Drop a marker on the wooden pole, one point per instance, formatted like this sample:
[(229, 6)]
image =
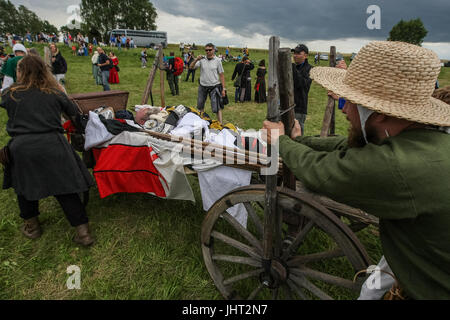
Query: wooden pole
[(270, 209), (328, 119), (205, 149), (273, 94), (286, 84), (243, 154), (48, 57), (151, 78), (333, 65), (161, 77)]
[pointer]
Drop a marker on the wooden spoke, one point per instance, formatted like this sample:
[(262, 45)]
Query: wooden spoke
[(254, 217), (275, 294), (287, 290), (297, 290), (314, 257), (244, 232), (236, 259), (243, 276), (328, 278), (304, 283), (255, 292), (298, 240), (236, 248), (236, 244)]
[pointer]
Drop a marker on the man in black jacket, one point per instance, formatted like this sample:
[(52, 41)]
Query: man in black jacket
[(104, 63), (302, 83), (59, 65)]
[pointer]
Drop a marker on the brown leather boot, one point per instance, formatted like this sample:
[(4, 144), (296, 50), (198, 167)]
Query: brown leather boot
[(83, 236), (31, 228)]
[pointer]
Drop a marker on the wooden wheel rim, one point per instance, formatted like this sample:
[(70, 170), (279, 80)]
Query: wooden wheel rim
[(323, 218)]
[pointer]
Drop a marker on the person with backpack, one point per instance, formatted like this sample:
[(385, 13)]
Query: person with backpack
[(173, 71), (59, 65), (190, 59)]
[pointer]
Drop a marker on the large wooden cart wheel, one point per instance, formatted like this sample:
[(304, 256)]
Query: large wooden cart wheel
[(318, 262)]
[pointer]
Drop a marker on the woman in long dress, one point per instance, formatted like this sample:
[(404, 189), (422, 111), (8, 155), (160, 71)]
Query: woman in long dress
[(260, 85), (113, 73), (42, 162), (243, 70)]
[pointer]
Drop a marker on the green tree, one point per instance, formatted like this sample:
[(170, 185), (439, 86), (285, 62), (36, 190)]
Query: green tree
[(20, 20), (27, 20), (129, 14), (47, 27), (412, 31), (137, 14), (8, 14)]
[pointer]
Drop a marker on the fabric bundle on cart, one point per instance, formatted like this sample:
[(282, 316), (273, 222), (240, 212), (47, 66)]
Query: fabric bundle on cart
[(136, 162), (127, 163)]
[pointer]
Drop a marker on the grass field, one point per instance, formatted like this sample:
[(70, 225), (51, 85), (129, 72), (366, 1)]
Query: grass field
[(146, 248)]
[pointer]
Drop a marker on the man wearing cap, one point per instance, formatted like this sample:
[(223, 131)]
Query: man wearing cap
[(9, 68), (302, 82), (395, 164)]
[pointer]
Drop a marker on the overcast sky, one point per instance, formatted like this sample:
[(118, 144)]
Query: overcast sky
[(318, 23)]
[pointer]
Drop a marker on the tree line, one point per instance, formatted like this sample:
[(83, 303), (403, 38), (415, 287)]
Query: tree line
[(99, 17), (20, 20)]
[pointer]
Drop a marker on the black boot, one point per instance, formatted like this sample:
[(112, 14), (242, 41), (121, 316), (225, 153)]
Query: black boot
[(31, 228), (83, 236)]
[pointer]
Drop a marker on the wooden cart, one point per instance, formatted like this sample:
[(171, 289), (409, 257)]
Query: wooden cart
[(275, 257)]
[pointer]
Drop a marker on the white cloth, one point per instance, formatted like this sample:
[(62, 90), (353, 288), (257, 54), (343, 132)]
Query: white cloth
[(191, 124), (7, 82), (378, 283), (217, 182), (172, 169), (94, 58), (96, 132), (364, 114)]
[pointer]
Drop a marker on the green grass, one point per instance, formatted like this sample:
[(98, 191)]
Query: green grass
[(146, 248)]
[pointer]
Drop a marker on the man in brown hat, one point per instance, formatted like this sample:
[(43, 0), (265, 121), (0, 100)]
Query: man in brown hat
[(395, 164)]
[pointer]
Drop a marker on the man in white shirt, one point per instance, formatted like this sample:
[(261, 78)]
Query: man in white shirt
[(212, 80)]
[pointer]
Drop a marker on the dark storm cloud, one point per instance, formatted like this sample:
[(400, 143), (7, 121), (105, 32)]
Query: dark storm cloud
[(316, 19)]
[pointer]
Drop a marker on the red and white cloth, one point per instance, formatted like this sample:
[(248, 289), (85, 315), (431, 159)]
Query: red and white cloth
[(128, 163)]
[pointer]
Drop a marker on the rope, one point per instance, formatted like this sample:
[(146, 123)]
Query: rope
[(394, 292)]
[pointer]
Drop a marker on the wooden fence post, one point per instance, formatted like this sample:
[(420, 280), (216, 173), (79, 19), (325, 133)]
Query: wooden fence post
[(151, 78), (328, 119), (286, 85), (333, 64), (270, 209), (48, 57)]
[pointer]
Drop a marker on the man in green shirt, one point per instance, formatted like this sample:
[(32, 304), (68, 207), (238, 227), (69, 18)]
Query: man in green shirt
[(395, 164), (10, 66)]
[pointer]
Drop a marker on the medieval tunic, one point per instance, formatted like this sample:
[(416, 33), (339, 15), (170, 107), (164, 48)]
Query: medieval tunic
[(43, 163), (405, 182), (243, 70), (260, 86)]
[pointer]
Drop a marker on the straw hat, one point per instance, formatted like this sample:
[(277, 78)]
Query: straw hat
[(393, 78)]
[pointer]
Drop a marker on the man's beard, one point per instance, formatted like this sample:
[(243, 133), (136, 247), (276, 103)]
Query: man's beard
[(356, 137)]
